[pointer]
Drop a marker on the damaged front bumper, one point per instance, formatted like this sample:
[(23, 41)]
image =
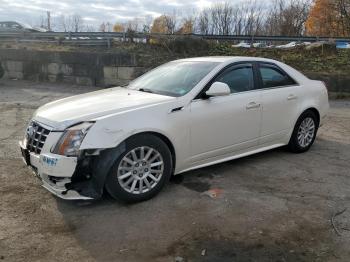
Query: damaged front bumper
[(55, 172), (70, 178), (73, 178)]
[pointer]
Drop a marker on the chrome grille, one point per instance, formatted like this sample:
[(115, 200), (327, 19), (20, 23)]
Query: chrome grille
[(36, 136)]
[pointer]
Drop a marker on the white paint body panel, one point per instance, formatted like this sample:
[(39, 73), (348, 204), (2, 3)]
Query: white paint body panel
[(204, 132), (222, 125)]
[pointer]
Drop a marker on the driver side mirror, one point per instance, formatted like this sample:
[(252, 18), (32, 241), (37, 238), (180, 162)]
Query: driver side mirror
[(218, 89)]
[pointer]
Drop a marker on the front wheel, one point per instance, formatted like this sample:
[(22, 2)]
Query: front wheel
[(141, 171), (304, 133)]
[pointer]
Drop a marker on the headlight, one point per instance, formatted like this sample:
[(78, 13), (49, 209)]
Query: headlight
[(70, 141)]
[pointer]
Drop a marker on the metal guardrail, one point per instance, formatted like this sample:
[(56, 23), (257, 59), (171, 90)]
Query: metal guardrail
[(99, 38), (277, 38)]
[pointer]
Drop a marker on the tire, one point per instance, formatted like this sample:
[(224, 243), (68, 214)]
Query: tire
[(301, 139), (131, 166)]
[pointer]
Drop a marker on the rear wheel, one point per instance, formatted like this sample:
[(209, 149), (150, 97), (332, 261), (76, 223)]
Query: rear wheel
[(141, 171), (304, 133)]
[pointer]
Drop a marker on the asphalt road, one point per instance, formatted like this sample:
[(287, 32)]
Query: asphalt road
[(273, 206)]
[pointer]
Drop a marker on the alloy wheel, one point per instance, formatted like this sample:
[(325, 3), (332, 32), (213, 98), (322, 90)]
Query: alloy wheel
[(140, 170), (306, 132)]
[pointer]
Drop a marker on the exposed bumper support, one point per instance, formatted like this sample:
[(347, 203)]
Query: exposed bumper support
[(46, 165), (77, 179), (64, 193)]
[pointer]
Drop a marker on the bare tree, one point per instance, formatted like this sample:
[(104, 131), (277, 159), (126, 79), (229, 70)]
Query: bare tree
[(102, 27), (204, 22), (132, 27), (42, 21), (238, 18), (63, 23), (343, 7), (287, 18), (250, 17), (45, 21), (109, 27), (226, 19), (222, 17), (89, 28), (147, 23), (214, 16), (77, 23), (48, 13), (71, 23)]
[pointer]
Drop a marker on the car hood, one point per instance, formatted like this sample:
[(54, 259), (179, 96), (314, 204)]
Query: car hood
[(87, 107)]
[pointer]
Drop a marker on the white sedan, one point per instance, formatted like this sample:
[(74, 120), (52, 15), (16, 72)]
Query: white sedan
[(183, 115)]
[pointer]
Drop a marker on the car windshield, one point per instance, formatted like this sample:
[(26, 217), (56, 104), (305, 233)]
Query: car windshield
[(174, 78)]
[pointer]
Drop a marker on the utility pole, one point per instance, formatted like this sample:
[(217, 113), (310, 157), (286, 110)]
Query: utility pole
[(48, 20)]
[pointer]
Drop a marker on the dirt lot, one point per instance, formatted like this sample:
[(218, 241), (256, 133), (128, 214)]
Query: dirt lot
[(274, 206)]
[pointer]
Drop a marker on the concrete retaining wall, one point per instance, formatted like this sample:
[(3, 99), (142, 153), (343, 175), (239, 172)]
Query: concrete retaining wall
[(96, 69), (100, 69), (339, 83)]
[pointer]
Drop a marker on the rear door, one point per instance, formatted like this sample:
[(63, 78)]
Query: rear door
[(279, 96)]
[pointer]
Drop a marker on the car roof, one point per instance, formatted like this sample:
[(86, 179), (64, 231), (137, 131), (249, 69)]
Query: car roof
[(227, 59)]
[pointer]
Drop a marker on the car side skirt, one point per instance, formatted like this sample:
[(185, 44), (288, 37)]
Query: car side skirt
[(232, 157)]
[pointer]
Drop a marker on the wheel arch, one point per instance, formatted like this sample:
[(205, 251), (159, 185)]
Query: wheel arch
[(101, 164), (315, 111), (291, 143), (310, 108), (164, 138)]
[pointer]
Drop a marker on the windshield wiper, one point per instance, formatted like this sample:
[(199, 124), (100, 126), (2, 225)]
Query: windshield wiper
[(145, 90)]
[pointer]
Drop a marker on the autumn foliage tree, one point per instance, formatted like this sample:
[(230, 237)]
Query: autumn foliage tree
[(164, 24), (187, 27), (327, 19), (119, 28), (159, 25)]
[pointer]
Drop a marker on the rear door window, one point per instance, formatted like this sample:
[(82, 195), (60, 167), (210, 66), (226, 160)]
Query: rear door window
[(273, 77)]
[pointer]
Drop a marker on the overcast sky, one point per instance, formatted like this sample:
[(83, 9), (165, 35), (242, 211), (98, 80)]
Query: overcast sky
[(94, 12)]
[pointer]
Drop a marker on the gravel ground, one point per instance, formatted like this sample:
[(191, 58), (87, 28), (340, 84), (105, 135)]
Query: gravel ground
[(273, 206)]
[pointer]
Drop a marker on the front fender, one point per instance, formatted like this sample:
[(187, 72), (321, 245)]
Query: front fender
[(91, 172), (104, 138), (110, 131)]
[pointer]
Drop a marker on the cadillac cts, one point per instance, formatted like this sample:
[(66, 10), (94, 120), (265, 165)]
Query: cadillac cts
[(183, 115)]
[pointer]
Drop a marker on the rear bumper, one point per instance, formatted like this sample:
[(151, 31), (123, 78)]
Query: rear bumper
[(54, 171)]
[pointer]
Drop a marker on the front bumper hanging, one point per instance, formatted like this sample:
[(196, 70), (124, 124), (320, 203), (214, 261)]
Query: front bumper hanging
[(72, 178), (47, 167)]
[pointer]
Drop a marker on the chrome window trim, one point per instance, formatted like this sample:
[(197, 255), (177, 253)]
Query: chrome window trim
[(244, 92), (255, 65)]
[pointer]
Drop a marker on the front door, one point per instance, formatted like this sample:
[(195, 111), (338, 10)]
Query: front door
[(223, 125)]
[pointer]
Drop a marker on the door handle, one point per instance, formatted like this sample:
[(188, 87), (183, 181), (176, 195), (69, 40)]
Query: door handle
[(177, 109), (252, 105), (292, 97)]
